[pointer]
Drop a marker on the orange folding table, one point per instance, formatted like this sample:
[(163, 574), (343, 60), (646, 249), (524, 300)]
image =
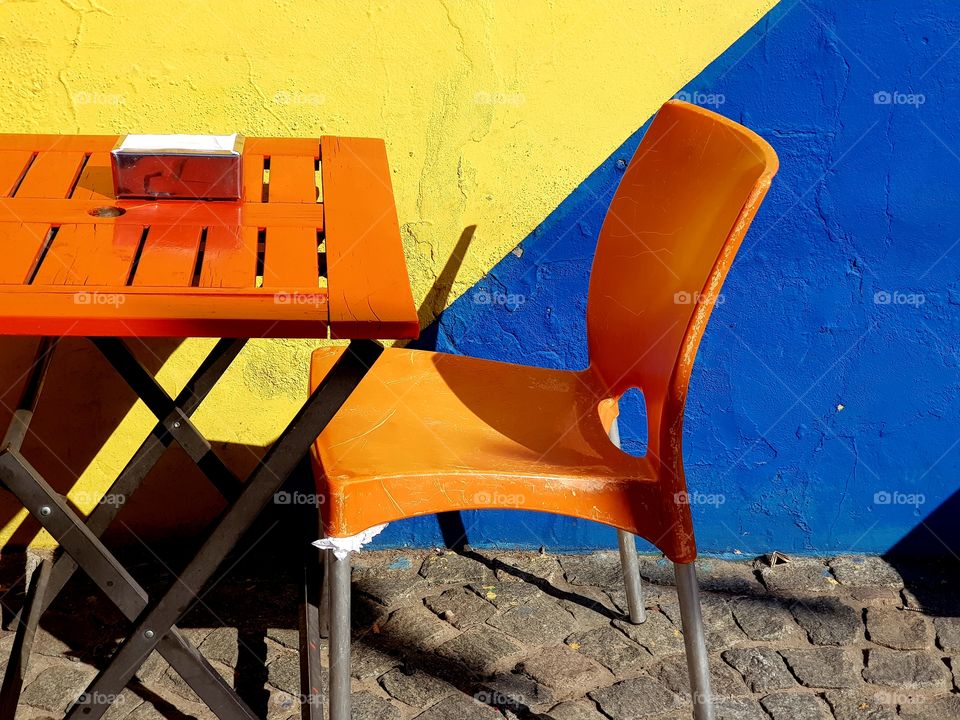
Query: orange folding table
[(312, 250)]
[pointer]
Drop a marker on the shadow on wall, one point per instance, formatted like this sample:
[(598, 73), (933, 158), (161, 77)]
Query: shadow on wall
[(928, 560)]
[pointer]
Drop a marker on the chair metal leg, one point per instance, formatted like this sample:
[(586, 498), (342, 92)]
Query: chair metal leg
[(694, 641), (339, 570), (628, 558), (631, 577)]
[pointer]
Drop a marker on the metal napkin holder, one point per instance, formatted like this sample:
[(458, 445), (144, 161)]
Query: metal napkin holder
[(178, 167)]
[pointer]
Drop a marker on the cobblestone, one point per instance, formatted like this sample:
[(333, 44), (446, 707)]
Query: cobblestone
[(574, 710), (504, 596), (764, 619), (641, 697), (948, 632), (859, 705), (461, 608), (911, 670), (541, 622), (414, 629), (762, 668), (543, 636), (221, 644), (520, 567), (828, 621), (860, 571), (564, 670), (657, 634), (825, 667), (795, 706), (415, 688), (611, 649), (721, 628), (367, 706), (939, 708), (284, 673), (481, 649), (724, 681), (57, 687), (450, 568), (596, 570), (739, 709), (898, 629), (460, 707), (803, 575)]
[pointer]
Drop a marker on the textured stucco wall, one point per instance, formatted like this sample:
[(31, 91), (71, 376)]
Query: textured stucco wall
[(824, 403), (492, 113)]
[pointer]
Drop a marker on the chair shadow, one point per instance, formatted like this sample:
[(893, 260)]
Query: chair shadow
[(253, 590), (435, 301), (414, 657), (928, 560)]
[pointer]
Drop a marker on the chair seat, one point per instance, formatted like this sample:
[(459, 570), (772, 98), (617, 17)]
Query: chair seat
[(427, 432)]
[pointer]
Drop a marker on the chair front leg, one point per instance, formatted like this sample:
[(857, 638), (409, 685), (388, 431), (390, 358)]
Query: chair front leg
[(694, 641), (339, 628)]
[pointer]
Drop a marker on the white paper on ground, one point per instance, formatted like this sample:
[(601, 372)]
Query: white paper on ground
[(210, 143), (343, 545)]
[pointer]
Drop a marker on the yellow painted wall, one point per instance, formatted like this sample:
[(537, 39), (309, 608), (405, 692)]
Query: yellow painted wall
[(492, 112)]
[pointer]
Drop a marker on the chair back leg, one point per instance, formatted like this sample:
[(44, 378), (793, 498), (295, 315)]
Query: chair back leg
[(339, 628), (694, 641), (628, 558), (631, 577)]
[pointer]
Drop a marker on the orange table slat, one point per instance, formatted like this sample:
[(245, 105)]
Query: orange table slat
[(90, 255), (229, 258), (96, 180), (290, 259), (292, 179), (12, 165), (169, 256), (366, 271), (52, 175), (252, 178), (20, 245)]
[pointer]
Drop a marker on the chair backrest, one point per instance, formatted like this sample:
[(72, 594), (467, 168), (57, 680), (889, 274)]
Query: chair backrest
[(677, 219)]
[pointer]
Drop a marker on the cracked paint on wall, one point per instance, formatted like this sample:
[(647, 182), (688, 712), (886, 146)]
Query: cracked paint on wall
[(493, 113), (823, 406)]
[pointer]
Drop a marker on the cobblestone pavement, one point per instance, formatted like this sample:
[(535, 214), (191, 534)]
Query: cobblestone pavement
[(444, 636)]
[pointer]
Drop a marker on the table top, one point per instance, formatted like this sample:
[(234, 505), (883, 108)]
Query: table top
[(313, 246)]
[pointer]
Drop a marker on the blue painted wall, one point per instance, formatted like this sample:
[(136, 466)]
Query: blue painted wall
[(823, 415)]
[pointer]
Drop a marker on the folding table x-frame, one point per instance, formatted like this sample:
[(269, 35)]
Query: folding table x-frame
[(291, 259)]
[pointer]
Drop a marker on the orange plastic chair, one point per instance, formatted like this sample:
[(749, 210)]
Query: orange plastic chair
[(429, 432)]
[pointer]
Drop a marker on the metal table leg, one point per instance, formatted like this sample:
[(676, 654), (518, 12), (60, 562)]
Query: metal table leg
[(146, 456), (264, 481), (306, 516), (49, 581), (23, 642), (67, 528), (173, 418)]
